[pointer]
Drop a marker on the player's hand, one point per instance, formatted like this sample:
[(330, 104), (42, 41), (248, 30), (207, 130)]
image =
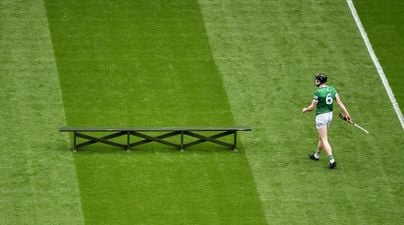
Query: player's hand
[(348, 118), (304, 110)]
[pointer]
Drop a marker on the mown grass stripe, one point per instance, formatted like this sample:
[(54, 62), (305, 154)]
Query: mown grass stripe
[(267, 53), (375, 60), (38, 182), (382, 20), (148, 64)]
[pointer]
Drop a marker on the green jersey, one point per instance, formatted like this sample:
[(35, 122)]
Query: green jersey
[(325, 96)]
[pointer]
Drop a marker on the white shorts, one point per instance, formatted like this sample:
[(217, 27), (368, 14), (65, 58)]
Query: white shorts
[(323, 120)]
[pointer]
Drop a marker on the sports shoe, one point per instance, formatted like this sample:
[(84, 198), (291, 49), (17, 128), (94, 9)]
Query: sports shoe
[(332, 165), (312, 156)]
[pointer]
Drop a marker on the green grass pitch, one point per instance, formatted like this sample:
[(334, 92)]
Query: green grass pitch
[(382, 21), (197, 63)]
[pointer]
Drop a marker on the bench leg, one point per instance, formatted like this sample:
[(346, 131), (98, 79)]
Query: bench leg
[(235, 142), (128, 142), (182, 142), (74, 142)]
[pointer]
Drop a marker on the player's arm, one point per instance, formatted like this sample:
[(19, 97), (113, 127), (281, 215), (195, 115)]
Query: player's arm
[(342, 106), (311, 107)]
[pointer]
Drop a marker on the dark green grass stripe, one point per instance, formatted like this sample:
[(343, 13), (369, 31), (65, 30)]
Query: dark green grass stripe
[(148, 63), (383, 21)]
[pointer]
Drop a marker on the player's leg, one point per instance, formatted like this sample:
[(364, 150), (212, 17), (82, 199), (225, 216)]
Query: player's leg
[(323, 142), (323, 133), (320, 144), (320, 122), (316, 154)]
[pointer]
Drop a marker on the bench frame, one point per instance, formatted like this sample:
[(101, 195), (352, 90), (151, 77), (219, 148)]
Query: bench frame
[(145, 137)]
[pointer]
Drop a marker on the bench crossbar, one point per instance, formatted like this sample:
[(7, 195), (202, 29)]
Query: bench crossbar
[(210, 139), (104, 139), (147, 140), (145, 137), (156, 139)]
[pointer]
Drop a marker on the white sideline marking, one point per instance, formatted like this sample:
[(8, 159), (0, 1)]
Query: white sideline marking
[(376, 62)]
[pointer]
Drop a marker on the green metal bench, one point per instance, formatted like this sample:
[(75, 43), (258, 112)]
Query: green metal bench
[(145, 137)]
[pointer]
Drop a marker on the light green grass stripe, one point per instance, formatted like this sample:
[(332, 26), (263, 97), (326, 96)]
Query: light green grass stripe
[(267, 52), (38, 183)]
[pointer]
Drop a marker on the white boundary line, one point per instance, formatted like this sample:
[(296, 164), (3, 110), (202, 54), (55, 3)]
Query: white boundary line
[(376, 62)]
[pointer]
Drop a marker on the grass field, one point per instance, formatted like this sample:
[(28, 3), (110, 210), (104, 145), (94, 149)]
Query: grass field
[(382, 21), (196, 63), (38, 183), (181, 87)]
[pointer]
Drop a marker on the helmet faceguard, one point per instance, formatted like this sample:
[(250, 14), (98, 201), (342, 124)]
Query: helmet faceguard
[(320, 78)]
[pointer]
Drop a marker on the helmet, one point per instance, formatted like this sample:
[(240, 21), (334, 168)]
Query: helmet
[(321, 77)]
